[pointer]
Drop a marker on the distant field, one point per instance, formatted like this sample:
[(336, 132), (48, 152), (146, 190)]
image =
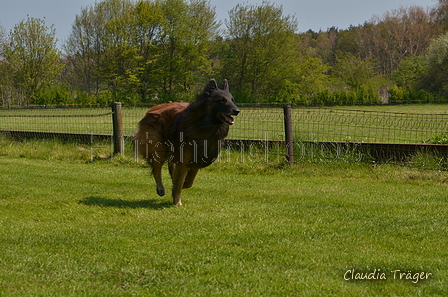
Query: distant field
[(388, 124), (411, 108)]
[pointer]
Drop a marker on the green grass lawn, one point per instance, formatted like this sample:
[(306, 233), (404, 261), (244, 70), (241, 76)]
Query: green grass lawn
[(380, 124), (99, 229)]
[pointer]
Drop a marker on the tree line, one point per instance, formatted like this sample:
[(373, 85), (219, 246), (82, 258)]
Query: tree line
[(162, 50)]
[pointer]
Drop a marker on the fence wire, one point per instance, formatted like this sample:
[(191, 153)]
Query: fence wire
[(73, 124), (325, 124), (309, 124), (342, 125), (258, 124)]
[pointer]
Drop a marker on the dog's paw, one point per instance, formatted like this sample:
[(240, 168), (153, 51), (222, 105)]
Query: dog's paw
[(161, 191)]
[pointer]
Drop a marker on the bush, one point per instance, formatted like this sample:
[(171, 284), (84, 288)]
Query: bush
[(53, 95), (400, 95), (287, 92), (84, 98)]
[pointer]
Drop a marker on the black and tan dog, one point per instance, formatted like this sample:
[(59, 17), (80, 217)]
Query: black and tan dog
[(187, 136)]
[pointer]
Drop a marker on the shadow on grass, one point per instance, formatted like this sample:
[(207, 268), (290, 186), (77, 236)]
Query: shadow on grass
[(108, 202)]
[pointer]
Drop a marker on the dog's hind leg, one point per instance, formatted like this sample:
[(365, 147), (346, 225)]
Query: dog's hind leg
[(157, 172), (179, 173), (189, 180)]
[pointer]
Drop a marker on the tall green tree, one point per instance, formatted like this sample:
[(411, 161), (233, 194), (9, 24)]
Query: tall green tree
[(187, 30), (396, 35), (262, 49), (150, 47), (149, 16), (354, 72), (95, 46), (82, 49), (437, 58), (441, 13), (32, 54), (8, 92), (119, 61), (319, 44), (2, 39), (309, 78), (410, 72)]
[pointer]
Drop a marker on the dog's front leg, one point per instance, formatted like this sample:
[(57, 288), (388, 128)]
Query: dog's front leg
[(157, 172), (171, 169), (179, 173)]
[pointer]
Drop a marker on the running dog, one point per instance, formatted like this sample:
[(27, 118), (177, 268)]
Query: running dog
[(187, 136)]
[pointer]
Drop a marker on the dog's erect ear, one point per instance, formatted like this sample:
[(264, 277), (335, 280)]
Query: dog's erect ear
[(212, 86), (226, 86)]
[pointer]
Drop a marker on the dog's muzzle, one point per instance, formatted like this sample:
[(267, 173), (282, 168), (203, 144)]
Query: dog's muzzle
[(228, 118)]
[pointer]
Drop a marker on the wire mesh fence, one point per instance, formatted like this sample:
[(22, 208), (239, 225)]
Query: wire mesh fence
[(328, 134), (262, 124), (342, 125), (326, 124), (73, 124)]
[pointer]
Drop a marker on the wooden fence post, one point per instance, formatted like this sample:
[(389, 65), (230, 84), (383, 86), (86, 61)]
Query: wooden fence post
[(118, 134), (289, 141)]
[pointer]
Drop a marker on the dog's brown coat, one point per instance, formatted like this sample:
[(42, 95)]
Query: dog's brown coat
[(187, 136)]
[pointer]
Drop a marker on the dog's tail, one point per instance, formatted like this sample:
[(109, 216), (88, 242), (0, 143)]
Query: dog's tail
[(136, 134), (149, 131)]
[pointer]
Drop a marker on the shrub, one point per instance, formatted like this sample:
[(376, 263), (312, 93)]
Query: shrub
[(54, 94), (400, 95)]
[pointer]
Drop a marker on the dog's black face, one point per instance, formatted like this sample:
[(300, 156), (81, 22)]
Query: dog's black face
[(222, 102)]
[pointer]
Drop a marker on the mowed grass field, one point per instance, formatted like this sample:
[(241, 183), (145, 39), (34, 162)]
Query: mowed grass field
[(380, 124), (76, 228)]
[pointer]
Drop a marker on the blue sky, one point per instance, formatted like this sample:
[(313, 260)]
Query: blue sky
[(311, 14)]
